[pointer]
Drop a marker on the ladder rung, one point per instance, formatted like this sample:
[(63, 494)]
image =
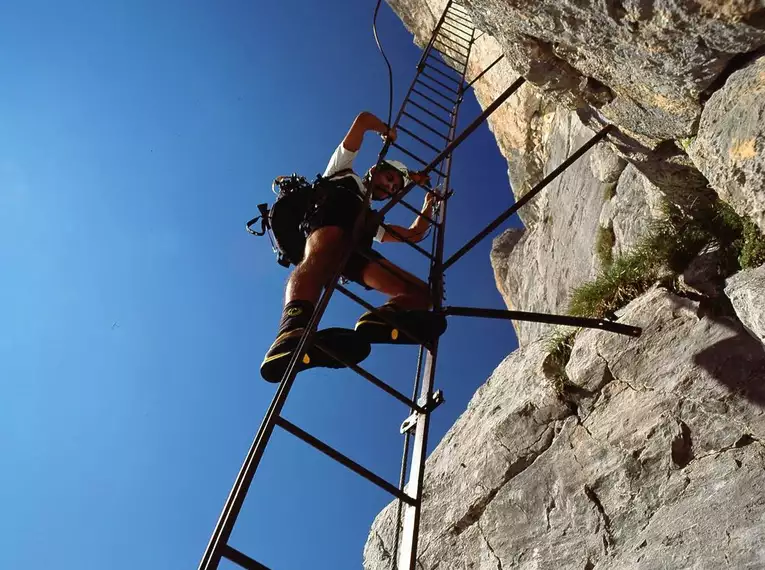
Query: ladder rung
[(414, 210), (458, 52), (460, 24), (461, 62), (410, 243), (448, 39), (417, 138), (460, 10), (241, 559), (416, 104), (455, 31), (343, 460), (440, 61), (446, 75), (436, 103), (444, 36), (441, 83), (419, 122), (418, 159), (374, 380)]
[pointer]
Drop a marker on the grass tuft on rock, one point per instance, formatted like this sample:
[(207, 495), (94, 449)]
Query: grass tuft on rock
[(558, 347), (604, 245), (671, 244)]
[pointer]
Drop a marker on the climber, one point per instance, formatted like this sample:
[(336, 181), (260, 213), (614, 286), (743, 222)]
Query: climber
[(330, 227)]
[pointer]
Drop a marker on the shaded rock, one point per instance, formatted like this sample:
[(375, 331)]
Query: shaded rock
[(592, 54), (703, 274), (666, 464), (605, 164), (730, 146), (632, 211), (746, 290), (558, 251)]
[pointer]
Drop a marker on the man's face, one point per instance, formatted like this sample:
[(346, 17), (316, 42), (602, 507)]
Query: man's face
[(386, 183)]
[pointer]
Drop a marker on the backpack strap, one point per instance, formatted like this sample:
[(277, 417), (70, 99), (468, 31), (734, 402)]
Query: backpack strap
[(264, 225)]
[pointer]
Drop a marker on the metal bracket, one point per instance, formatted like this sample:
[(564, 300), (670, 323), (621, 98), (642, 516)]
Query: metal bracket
[(409, 423)]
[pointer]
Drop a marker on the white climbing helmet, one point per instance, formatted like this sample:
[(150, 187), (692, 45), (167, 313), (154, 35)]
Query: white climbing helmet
[(396, 165)]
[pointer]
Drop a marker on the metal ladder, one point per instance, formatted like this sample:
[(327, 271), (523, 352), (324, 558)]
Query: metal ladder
[(427, 120)]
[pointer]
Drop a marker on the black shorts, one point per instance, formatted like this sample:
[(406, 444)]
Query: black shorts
[(339, 207)]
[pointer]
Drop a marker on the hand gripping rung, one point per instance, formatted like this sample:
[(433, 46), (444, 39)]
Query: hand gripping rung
[(344, 460)]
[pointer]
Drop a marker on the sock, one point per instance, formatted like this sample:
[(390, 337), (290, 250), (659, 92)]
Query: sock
[(296, 314)]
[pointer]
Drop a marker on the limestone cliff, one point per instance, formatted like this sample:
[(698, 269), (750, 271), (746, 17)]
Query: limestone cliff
[(629, 453)]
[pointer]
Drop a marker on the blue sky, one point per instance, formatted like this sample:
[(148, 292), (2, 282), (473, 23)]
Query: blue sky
[(136, 139)]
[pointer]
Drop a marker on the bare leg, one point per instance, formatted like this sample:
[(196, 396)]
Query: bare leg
[(405, 290), (323, 252)]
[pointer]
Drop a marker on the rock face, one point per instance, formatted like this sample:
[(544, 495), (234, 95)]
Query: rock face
[(589, 53), (630, 212), (746, 290), (651, 453), (558, 249), (730, 146), (651, 457)]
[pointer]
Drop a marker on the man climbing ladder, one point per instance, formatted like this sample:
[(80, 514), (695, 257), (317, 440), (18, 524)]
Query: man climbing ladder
[(337, 204)]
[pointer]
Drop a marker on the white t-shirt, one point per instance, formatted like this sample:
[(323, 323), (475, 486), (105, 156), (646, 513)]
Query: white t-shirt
[(342, 159)]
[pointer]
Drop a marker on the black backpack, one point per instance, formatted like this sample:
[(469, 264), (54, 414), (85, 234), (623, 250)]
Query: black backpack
[(286, 222)]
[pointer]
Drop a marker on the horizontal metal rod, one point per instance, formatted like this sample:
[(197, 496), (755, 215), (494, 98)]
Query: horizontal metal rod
[(418, 138), (582, 322), (454, 49), (375, 311), (452, 30), (458, 8), (446, 37), (409, 242), (443, 73), (414, 210), (477, 77), (457, 23), (416, 104), (241, 559), (452, 44), (463, 20), (479, 36), (419, 122), (461, 62), (343, 460), (437, 92), (373, 380), (441, 83), (440, 61), (526, 197), (436, 103), (418, 159)]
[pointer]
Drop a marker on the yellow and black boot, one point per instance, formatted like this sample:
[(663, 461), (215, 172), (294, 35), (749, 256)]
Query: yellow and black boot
[(346, 344), (391, 325)]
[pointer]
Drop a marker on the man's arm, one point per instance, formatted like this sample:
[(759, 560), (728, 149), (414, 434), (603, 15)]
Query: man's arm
[(415, 232), (366, 122)]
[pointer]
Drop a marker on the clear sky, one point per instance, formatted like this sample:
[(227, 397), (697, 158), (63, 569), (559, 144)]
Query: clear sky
[(136, 138)]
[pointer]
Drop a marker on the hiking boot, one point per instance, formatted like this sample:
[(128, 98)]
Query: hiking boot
[(405, 326), (349, 346)]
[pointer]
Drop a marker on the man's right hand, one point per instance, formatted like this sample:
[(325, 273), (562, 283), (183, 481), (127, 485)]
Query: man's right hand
[(389, 135), (367, 122)]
